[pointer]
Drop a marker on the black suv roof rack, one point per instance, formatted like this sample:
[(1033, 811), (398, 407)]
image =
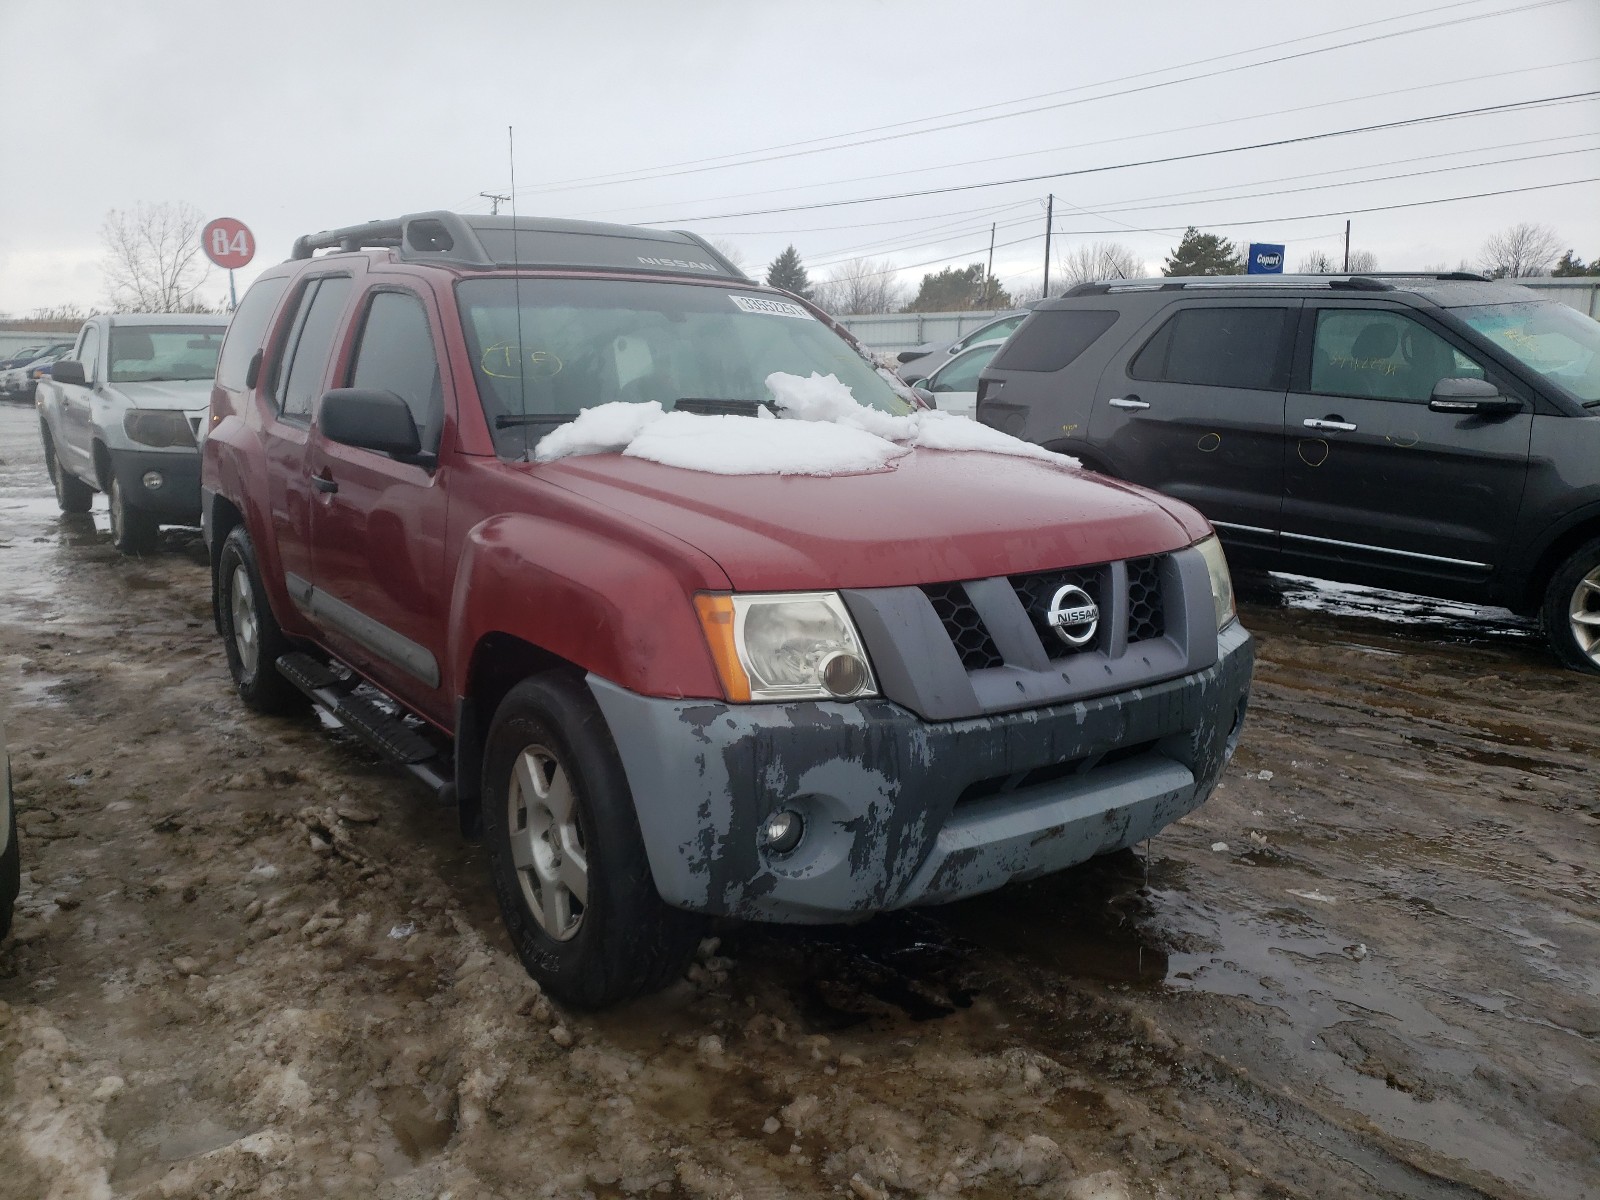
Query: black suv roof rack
[(454, 239), (1370, 281)]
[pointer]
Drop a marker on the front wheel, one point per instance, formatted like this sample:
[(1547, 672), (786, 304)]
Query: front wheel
[(1572, 609), (250, 633), (568, 860), (133, 530)]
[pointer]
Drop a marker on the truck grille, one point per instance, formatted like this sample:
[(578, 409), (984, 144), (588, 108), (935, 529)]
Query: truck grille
[(976, 646), (965, 627)]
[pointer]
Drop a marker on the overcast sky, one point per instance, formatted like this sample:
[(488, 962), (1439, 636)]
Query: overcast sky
[(294, 117)]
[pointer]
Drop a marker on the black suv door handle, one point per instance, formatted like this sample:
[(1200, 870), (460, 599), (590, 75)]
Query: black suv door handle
[(1331, 421), (1128, 402), (325, 483)]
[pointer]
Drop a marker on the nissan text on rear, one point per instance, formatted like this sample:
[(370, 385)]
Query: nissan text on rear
[(686, 607)]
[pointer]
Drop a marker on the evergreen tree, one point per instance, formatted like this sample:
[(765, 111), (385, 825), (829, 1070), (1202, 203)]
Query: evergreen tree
[(1571, 265), (958, 289), (788, 273), (1203, 254)]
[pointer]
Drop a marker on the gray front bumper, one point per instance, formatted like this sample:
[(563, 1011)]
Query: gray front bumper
[(177, 500), (901, 811)]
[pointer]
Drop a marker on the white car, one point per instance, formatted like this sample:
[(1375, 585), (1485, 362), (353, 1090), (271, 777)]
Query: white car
[(10, 851), (122, 413), (953, 387)]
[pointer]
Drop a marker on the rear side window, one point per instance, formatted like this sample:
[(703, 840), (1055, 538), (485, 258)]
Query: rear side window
[(306, 356), (246, 330), (396, 355), (1218, 347), (1052, 338)]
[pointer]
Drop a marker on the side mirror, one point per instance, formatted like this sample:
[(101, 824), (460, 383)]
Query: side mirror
[(906, 356), (1471, 397), (67, 371), (369, 419), (923, 394)]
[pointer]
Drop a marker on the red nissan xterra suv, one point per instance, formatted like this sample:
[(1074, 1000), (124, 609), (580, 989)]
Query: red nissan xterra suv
[(507, 498)]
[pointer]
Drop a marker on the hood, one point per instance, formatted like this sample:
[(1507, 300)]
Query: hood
[(937, 516), (186, 394)]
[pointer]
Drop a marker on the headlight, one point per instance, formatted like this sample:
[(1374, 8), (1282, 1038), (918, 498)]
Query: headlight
[(785, 646), (1221, 582), (157, 427)]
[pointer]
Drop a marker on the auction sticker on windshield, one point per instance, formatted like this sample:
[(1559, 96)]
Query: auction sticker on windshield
[(773, 308)]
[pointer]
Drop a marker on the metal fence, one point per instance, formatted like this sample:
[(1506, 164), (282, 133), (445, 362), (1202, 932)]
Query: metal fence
[(889, 332), (1581, 294)]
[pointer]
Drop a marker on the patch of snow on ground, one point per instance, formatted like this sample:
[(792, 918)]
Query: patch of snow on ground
[(828, 433)]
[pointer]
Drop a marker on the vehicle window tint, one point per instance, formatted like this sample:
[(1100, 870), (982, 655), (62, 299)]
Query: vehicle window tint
[(396, 354), (246, 331), (1218, 347), (307, 358), (961, 373), (1382, 356), (89, 356), (162, 353), (1050, 339), (997, 332)]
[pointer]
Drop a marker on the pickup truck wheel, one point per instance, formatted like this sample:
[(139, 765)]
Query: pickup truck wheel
[(250, 633), (73, 495), (1572, 609), (568, 860), (133, 531)]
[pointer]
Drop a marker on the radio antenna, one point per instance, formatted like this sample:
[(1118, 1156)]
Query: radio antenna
[(516, 283)]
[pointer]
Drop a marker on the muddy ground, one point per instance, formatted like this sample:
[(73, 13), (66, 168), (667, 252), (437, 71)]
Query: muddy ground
[(249, 961)]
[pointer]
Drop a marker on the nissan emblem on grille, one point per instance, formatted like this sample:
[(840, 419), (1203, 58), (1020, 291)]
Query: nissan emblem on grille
[(1074, 615)]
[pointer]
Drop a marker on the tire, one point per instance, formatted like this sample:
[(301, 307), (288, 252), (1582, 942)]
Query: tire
[(1572, 609), (73, 495), (558, 820), (250, 633), (133, 531)]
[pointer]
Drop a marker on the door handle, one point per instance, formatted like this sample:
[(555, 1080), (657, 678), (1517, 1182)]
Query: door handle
[(1331, 422), (1128, 402), (325, 483)]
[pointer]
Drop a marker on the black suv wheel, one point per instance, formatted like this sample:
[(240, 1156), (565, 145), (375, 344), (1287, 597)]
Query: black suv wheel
[(1572, 609)]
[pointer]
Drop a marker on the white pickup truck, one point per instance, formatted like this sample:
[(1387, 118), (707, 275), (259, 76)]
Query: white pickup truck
[(123, 413)]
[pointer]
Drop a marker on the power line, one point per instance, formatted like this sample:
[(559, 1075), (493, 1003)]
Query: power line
[(1515, 106), (1342, 212), (785, 151), (1118, 140)]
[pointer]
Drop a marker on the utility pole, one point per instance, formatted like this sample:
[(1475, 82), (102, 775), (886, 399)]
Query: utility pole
[(1049, 221), (989, 274), (494, 199), (1347, 246)]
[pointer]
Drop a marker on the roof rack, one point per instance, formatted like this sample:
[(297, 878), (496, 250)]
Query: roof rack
[(1372, 281), (481, 242)]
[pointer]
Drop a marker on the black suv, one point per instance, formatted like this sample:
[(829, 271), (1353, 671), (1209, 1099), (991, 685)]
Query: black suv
[(1437, 434)]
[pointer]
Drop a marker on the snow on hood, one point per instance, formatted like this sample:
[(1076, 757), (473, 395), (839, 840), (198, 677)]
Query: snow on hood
[(828, 432), (166, 393)]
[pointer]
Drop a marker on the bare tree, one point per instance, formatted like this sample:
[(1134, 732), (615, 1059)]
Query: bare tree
[(1093, 261), (1362, 262), (1032, 289), (1316, 263), (1520, 251), (154, 261), (862, 285), (728, 251)]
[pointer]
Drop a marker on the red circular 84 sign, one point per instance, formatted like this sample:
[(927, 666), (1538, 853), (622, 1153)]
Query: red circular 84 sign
[(228, 243)]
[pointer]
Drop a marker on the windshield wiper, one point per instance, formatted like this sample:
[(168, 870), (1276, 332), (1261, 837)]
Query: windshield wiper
[(513, 420), (711, 407)]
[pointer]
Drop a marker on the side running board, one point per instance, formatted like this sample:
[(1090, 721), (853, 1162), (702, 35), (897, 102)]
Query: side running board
[(387, 735)]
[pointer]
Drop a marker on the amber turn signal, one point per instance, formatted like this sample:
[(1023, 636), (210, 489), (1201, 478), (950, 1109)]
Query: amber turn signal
[(716, 620)]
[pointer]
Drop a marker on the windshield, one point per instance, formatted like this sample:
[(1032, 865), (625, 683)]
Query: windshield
[(584, 342), (1558, 342), (145, 354)]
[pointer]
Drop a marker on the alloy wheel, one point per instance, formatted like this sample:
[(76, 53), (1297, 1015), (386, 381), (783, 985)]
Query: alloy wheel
[(1583, 612), (547, 843)]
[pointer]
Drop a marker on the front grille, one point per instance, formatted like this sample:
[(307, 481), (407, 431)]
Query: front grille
[(1036, 592), (1146, 616), (965, 627), (1002, 785)]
